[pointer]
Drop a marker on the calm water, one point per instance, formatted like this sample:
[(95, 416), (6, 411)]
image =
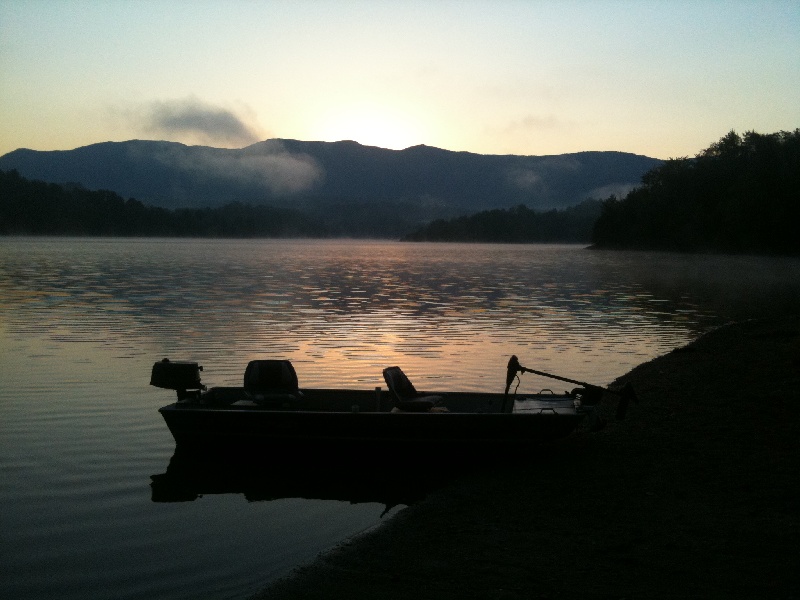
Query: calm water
[(82, 321)]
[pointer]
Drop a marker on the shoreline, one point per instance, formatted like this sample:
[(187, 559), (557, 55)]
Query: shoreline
[(695, 494)]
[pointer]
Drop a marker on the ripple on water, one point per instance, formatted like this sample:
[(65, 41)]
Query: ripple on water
[(83, 321)]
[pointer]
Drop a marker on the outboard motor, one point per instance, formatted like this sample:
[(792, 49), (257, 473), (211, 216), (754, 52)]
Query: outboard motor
[(178, 375)]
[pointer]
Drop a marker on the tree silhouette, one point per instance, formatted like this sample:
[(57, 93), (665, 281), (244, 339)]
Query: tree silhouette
[(740, 195), (37, 208), (515, 225)]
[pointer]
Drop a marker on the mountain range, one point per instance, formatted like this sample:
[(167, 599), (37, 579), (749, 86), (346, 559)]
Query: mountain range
[(354, 187)]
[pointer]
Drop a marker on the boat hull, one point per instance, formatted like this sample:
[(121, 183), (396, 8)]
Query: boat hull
[(358, 418)]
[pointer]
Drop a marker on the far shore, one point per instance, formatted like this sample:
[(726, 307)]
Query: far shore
[(696, 494)]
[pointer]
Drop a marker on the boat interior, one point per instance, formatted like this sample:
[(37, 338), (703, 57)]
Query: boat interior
[(274, 385)]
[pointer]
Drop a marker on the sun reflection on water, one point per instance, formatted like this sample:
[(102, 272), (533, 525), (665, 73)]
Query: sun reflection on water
[(342, 310)]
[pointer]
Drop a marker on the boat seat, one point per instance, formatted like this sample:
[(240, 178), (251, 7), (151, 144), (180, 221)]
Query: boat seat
[(271, 382), (406, 396)]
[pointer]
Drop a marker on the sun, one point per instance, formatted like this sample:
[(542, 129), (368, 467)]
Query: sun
[(371, 127)]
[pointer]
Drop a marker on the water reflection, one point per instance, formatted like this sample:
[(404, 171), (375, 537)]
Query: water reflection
[(261, 475), (342, 311)]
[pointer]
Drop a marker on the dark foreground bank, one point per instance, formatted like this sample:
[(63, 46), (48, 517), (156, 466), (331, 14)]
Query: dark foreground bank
[(696, 494)]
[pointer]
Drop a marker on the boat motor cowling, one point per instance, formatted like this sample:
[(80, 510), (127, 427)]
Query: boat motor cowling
[(177, 375)]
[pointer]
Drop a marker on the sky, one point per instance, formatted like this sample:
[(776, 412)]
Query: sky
[(539, 77)]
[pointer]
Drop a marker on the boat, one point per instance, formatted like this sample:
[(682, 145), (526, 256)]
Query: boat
[(271, 407)]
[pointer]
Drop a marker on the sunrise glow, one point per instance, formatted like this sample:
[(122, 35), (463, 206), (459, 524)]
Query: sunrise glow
[(371, 127), (500, 77)]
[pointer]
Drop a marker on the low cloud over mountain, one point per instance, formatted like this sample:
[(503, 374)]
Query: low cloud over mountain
[(278, 172)]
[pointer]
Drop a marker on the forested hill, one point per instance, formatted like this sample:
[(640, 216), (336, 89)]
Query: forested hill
[(740, 195), (355, 190), (38, 208), (516, 225), (343, 180)]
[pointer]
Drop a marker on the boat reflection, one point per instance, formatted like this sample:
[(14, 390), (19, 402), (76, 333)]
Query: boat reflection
[(264, 477)]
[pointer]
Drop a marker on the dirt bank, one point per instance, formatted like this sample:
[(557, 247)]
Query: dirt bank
[(695, 494)]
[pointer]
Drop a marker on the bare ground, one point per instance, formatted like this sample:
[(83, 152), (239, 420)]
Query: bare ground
[(695, 495)]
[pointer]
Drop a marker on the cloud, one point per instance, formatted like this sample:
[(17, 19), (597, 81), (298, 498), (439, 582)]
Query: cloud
[(219, 136), (525, 179), (523, 135), (197, 120), (536, 123), (620, 190), (268, 165), (539, 171)]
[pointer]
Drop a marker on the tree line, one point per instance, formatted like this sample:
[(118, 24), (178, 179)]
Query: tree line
[(740, 195), (39, 208), (519, 224)]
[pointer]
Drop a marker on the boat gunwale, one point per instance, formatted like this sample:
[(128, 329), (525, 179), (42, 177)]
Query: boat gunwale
[(550, 403)]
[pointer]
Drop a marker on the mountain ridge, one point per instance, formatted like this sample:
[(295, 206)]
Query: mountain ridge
[(339, 181)]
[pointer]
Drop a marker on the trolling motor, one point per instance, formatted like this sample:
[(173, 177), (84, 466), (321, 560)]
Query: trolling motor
[(512, 369), (591, 393)]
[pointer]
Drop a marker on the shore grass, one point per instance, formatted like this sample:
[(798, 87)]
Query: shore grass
[(695, 495)]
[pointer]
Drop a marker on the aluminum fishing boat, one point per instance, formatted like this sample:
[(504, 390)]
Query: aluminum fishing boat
[(271, 407)]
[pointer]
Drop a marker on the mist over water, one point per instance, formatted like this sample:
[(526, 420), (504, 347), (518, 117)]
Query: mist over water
[(83, 320)]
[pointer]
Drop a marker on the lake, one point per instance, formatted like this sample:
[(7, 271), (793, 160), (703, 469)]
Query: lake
[(83, 320)]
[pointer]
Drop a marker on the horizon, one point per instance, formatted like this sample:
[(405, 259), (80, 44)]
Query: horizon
[(657, 79), (192, 145)]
